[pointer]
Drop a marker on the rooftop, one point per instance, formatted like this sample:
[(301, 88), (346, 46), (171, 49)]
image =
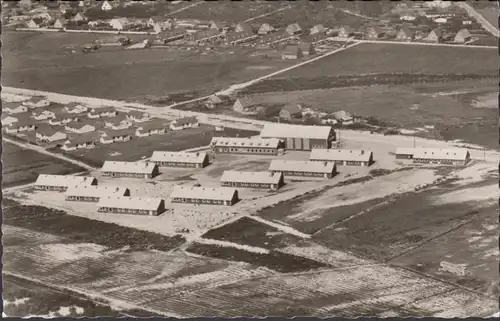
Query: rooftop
[(95, 191), (128, 167), (62, 180), (245, 142), (301, 166), (295, 131), (250, 177), (340, 155), (136, 203), (184, 157), (217, 194)]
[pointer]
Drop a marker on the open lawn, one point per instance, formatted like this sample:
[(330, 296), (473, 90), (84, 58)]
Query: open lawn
[(143, 147), (120, 73), (370, 58), (22, 166)]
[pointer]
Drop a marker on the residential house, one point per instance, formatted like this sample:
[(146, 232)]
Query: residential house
[(276, 38), (43, 114), (291, 111), (205, 37), (265, 29), (344, 157), (293, 29), (8, 120), (317, 29), (75, 108), (60, 23), (63, 120), (306, 48), (292, 52), (234, 38), (102, 112), (79, 128), (344, 117), (130, 169), (49, 135), (435, 35), (172, 34), (213, 101), (21, 126), (94, 193), (117, 123), (345, 32), (115, 136), (35, 102), (247, 106), (374, 33), (34, 24), (405, 34), (79, 17), (119, 23), (151, 128), (243, 27), (204, 196), (138, 117), (78, 142), (131, 205), (62, 182), (462, 36), (185, 122), (14, 108), (106, 6)]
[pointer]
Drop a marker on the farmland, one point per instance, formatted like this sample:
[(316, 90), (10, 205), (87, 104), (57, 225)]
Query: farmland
[(369, 58), (133, 75), (22, 166)]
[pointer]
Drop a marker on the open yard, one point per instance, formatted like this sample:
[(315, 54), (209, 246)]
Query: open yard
[(22, 166), (368, 58), (37, 61)]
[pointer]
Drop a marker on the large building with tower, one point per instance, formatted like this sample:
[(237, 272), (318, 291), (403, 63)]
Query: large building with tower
[(265, 180), (300, 137), (342, 156), (255, 146), (204, 196), (295, 168)]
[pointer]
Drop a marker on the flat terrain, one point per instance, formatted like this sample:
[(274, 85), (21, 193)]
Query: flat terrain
[(37, 61), (22, 166), (457, 110), (370, 58)]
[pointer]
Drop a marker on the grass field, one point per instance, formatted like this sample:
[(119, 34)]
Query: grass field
[(22, 166), (142, 147), (370, 58), (37, 61)]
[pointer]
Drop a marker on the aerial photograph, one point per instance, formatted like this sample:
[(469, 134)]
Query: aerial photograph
[(250, 158)]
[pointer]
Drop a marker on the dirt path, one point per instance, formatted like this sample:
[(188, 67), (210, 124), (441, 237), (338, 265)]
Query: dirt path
[(44, 151), (185, 8), (267, 14)]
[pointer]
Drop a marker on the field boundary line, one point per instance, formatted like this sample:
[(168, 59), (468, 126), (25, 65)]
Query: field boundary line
[(268, 14), (280, 227), (185, 8), (91, 296)]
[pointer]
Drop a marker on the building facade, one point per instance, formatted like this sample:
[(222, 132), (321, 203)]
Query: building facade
[(224, 196), (342, 156), (303, 168), (61, 183), (300, 137), (442, 156), (129, 169), (131, 205), (259, 180), (180, 159), (236, 145), (94, 193)]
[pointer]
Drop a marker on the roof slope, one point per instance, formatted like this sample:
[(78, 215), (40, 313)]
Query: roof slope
[(184, 157), (434, 153), (340, 155), (295, 131), (301, 166), (128, 167), (250, 177), (135, 203), (245, 142), (95, 191), (216, 194), (62, 180)]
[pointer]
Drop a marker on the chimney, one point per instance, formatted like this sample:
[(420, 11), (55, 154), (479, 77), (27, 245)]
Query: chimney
[(362, 152)]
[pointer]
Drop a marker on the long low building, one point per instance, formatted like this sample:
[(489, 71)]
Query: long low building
[(180, 159), (267, 180), (300, 137), (303, 168), (342, 156), (94, 193), (129, 169), (62, 182), (131, 205), (236, 145), (451, 156), (205, 196)]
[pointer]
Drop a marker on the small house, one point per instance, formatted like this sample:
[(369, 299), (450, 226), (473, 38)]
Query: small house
[(151, 128), (63, 120), (79, 17), (79, 128), (405, 34), (265, 29), (138, 117), (8, 120), (34, 24), (43, 115), (75, 108), (49, 135), (115, 136), (185, 122), (119, 23), (374, 33), (291, 111), (291, 52), (35, 102), (117, 124), (317, 29), (75, 143), (102, 112), (344, 117), (435, 36), (21, 126), (14, 108), (217, 25), (60, 23), (213, 101), (63, 8), (246, 105), (345, 32), (462, 36), (106, 6), (243, 27), (293, 29)]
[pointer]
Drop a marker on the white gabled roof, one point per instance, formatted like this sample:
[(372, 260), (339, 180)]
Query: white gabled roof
[(63, 180), (301, 166), (357, 155), (184, 157), (245, 142), (128, 167), (251, 177), (295, 131), (95, 191), (435, 153), (217, 194), (134, 203)]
